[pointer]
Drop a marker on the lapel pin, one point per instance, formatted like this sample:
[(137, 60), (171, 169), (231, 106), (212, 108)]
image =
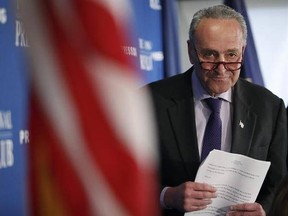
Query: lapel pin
[(241, 124)]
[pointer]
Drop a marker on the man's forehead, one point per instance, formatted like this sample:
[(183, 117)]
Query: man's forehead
[(212, 21), (219, 35), (208, 24), (207, 49)]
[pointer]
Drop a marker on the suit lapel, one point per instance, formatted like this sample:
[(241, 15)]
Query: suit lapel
[(244, 121), (182, 118), (183, 123)]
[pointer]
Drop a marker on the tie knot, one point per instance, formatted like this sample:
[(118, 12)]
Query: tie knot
[(214, 104)]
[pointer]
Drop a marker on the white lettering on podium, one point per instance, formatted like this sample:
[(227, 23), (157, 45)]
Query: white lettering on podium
[(155, 4), (3, 16), (146, 62), (20, 38), (6, 153), (24, 136), (145, 44), (147, 55), (5, 120), (129, 50)]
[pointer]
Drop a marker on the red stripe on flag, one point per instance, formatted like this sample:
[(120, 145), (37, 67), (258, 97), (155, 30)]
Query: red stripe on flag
[(107, 37), (55, 186)]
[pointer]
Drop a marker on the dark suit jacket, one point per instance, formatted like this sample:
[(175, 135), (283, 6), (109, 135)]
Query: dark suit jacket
[(263, 137)]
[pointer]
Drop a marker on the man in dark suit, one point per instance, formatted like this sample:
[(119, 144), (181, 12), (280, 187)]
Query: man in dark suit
[(253, 119)]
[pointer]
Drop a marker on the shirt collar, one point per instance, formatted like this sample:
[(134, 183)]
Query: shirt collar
[(200, 93)]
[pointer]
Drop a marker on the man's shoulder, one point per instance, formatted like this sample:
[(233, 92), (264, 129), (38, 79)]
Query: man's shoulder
[(255, 94), (166, 82), (252, 89), (176, 86)]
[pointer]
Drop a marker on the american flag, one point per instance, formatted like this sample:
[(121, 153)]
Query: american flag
[(92, 149)]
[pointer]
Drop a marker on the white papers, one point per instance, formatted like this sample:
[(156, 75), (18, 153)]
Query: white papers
[(237, 178)]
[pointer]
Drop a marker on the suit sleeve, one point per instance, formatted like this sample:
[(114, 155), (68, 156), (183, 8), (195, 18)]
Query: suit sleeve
[(278, 156)]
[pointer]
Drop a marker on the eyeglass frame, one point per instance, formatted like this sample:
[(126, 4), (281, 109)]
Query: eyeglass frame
[(216, 64)]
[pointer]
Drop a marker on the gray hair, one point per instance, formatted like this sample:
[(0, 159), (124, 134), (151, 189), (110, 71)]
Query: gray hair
[(217, 12)]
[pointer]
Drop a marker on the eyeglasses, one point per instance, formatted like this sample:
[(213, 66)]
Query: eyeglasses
[(230, 66)]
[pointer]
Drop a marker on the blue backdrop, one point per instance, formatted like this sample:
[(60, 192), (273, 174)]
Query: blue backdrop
[(147, 29), (251, 67), (156, 44), (13, 111)]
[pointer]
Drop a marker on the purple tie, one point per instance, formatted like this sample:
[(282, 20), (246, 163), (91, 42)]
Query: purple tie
[(212, 136)]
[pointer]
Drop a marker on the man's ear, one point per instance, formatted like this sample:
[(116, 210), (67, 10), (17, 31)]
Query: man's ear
[(190, 47)]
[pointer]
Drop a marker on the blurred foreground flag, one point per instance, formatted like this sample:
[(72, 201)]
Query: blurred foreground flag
[(93, 148), (251, 68)]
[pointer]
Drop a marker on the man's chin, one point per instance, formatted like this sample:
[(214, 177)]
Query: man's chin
[(217, 91)]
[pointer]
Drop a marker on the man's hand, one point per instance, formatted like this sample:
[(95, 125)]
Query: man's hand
[(189, 196), (247, 209)]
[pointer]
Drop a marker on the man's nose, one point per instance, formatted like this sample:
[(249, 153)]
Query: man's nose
[(221, 68)]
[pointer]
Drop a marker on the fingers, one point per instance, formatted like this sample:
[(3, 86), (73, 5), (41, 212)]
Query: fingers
[(247, 209), (201, 186), (196, 204), (198, 190), (190, 196)]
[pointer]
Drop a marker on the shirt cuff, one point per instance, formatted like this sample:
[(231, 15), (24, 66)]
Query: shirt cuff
[(162, 194)]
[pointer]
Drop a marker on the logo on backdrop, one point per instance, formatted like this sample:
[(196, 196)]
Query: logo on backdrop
[(129, 50), (147, 55), (3, 16), (21, 39), (155, 4), (6, 142), (6, 139)]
